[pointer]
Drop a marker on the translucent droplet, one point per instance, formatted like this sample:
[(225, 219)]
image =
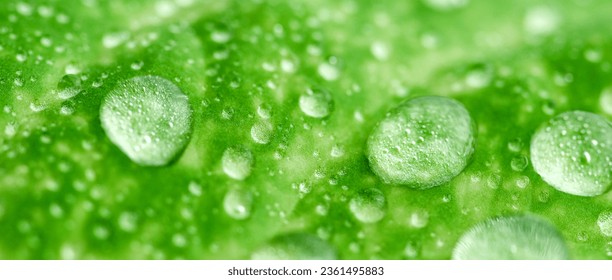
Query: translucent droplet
[(337, 151), (238, 203), (445, 5), (195, 188), (295, 246), (261, 132), (220, 37), (418, 219), (511, 238), (237, 162), (69, 86), (179, 240), (563, 154), (519, 163), (127, 221), (604, 222), (328, 72), (316, 103), (541, 20), (148, 118), (380, 50), (424, 142), (368, 206)]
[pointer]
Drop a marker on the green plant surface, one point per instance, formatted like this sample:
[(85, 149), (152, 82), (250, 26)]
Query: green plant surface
[(283, 97)]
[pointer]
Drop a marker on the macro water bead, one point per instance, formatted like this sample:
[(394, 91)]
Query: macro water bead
[(295, 246), (424, 142), (573, 153), (148, 118), (511, 238)]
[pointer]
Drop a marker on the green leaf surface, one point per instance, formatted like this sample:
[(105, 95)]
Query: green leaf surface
[(290, 91)]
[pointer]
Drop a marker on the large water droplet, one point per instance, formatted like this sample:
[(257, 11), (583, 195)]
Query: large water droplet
[(237, 162), (148, 118), (511, 238), (573, 153), (368, 206), (425, 142), (295, 246), (316, 103)]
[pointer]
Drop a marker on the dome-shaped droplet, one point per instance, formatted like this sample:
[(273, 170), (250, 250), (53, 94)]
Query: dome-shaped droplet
[(316, 103), (237, 162), (238, 203), (368, 206), (148, 118), (511, 238), (295, 246), (573, 153), (425, 142)]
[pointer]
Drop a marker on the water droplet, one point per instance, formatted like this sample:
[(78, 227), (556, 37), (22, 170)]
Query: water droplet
[(261, 132), (68, 86), (238, 203), (424, 142), (511, 238), (264, 111), (604, 222), (295, 246), (380, 50), (541, 20), (24, 9), (328, 72), (316, 103), (237, 162), (446, 5), (179, 240), (127, 221), (519, 163), (195, 188), (337, 151), (563, 154), (368, 206), (522, 182), (56, 211), (479, 77), (418, 219), (101, 232), (148, 118), (288, 66), (410, 251), (220, 37), (113, 40)]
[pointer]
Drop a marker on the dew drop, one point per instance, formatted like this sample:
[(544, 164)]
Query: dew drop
[(563, 154), (316, 103), (328, 72), (424, 142), (604, 222), (148, 118), (237, 203), (237, 162), (261, 132), (511, 238), (127, 221), (368, 206), (295, 246)]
